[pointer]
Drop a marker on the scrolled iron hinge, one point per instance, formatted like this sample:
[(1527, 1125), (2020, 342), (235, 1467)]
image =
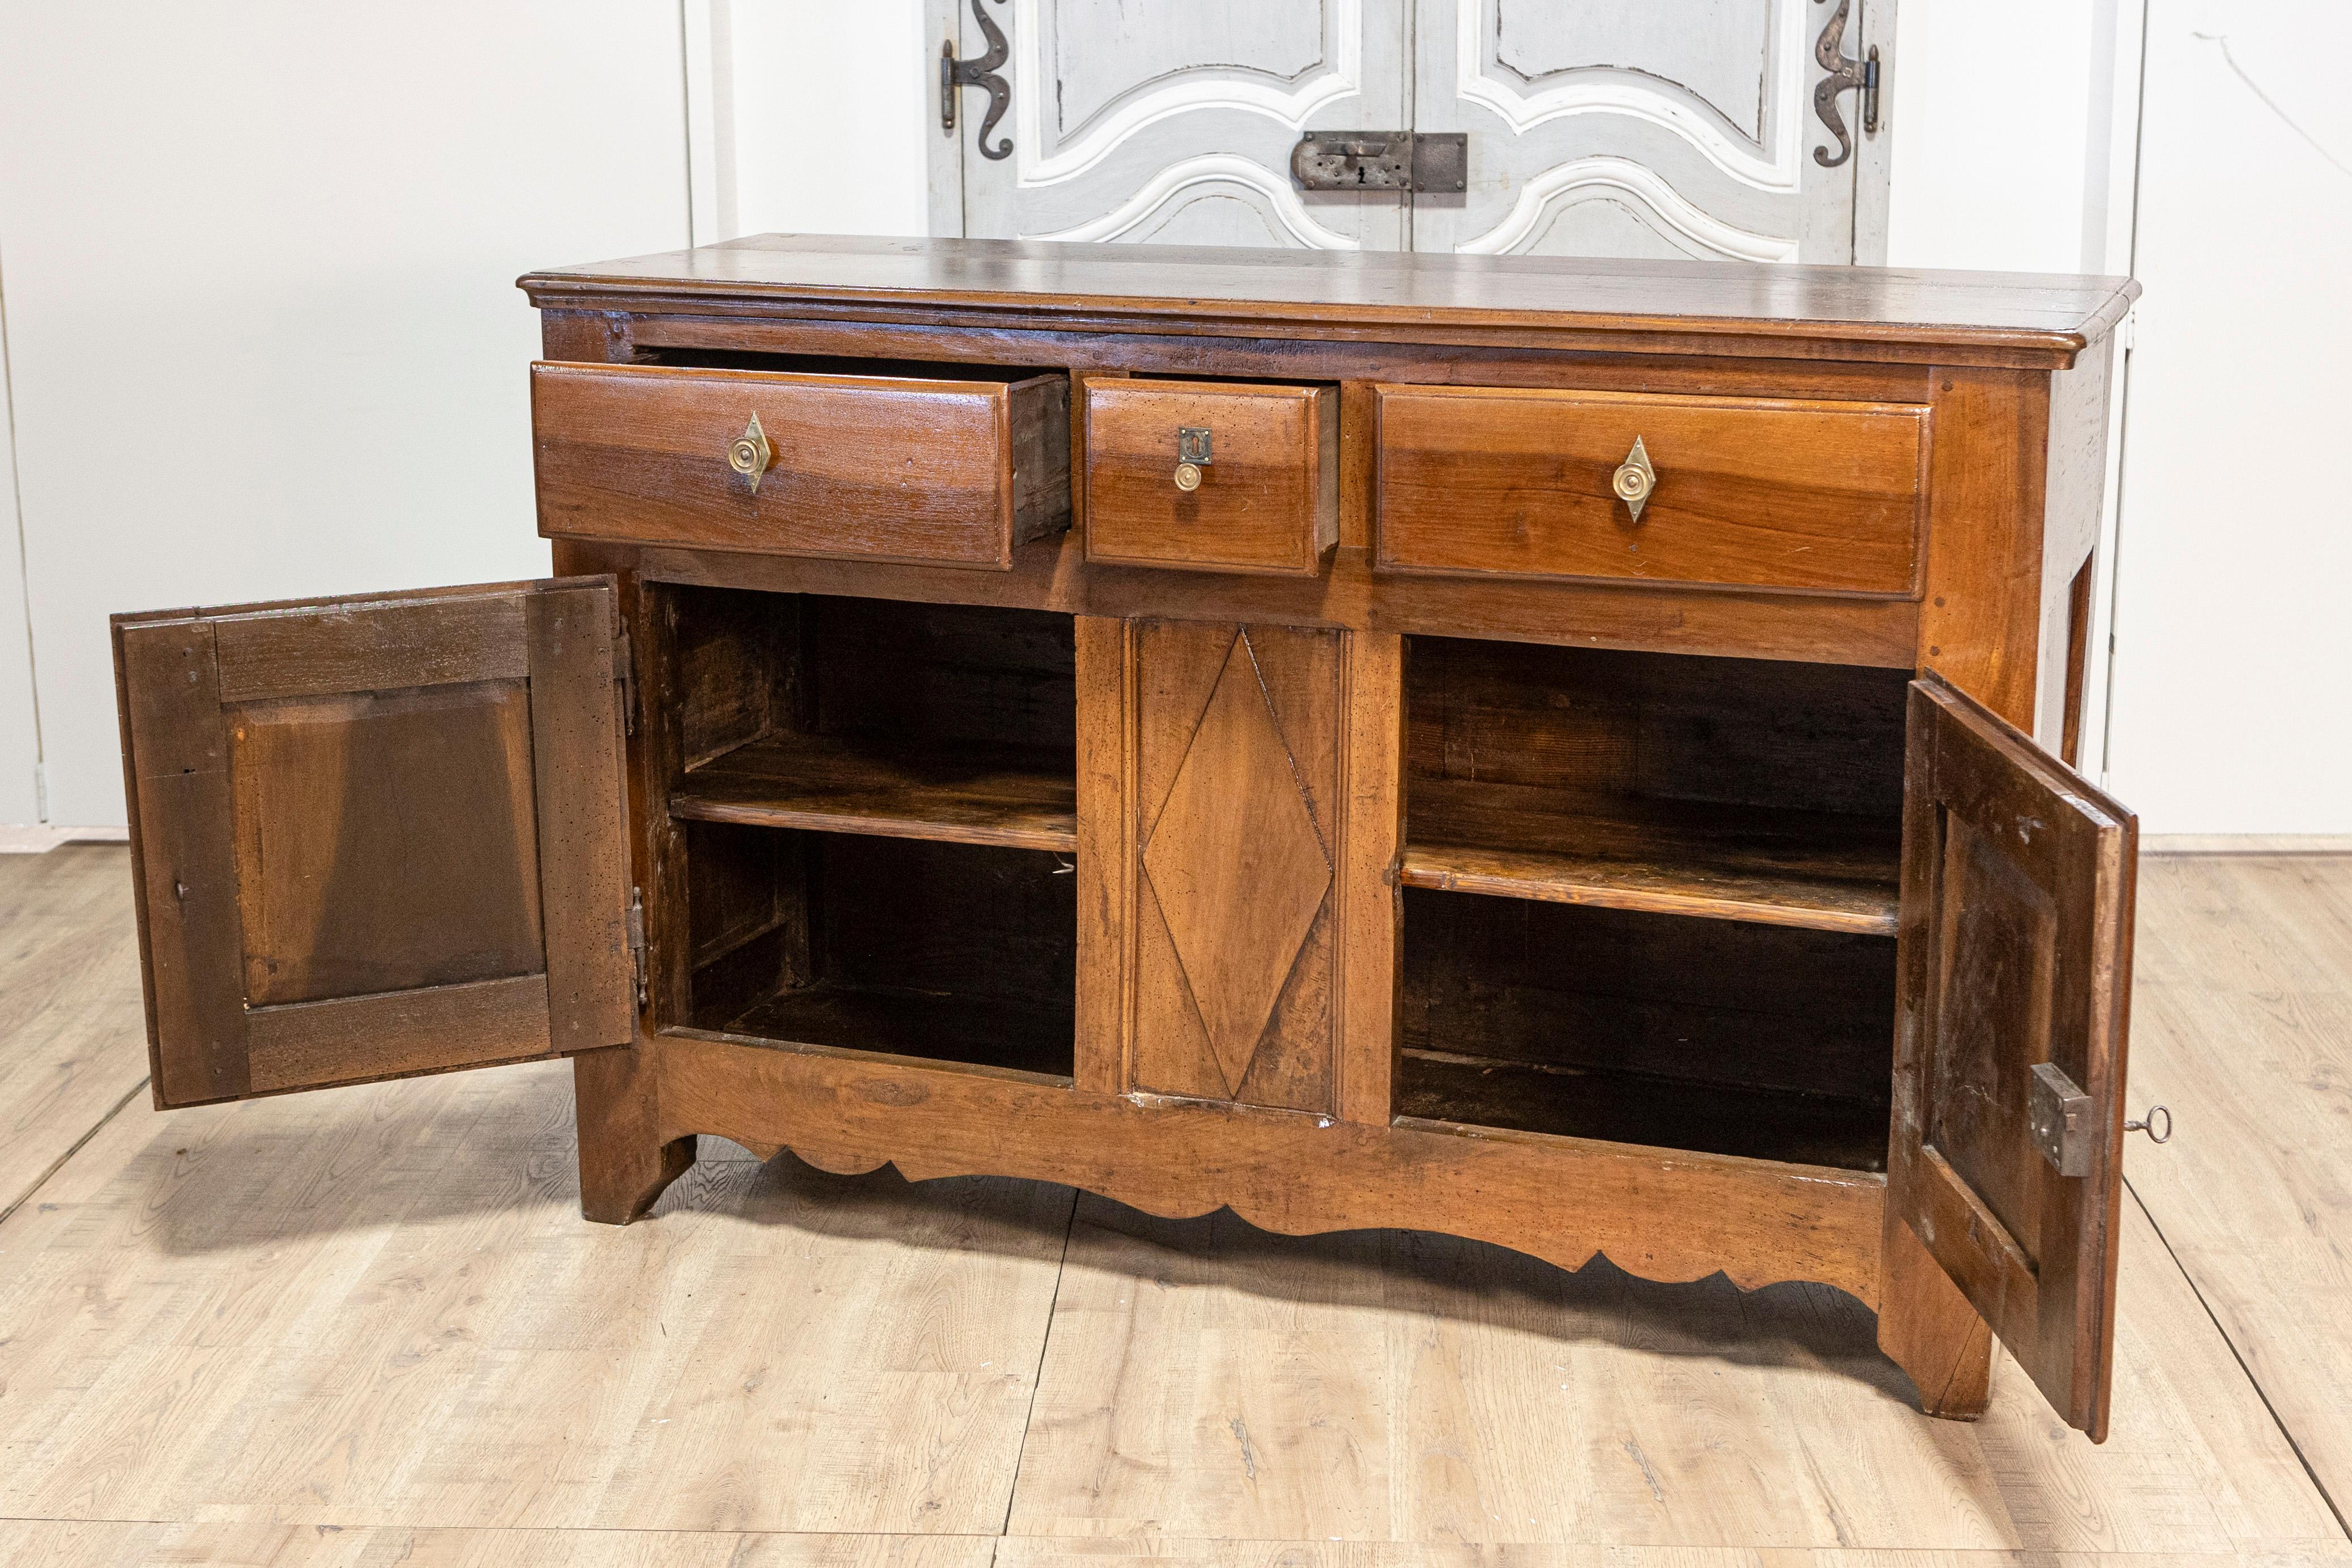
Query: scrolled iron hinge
[(980, 71), (1844, 74), (637, 942)]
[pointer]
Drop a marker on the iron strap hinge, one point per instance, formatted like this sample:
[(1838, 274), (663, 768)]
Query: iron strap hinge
[(981, 71), (1844, 74), (638, 942)]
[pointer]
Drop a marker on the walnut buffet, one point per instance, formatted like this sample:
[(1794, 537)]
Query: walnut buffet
[(1572, 754)]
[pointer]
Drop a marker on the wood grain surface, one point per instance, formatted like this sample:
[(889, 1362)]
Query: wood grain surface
[(1754, 494), (367, 1326), (72, 1039), (1831, 312), (1268, 500), (955, 472)]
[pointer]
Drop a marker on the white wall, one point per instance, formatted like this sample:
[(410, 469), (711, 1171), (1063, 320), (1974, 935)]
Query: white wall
[(258, 263), (810, 116), (2235, 564), (20, 752)]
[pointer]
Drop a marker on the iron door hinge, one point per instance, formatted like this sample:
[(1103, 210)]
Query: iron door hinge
[(637, 942), (979, 71), (1844, 74), (1382, 161), (624, 671)]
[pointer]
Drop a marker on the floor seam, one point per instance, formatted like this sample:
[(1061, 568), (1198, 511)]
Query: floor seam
[(1037, 1378), (79, 1143), (2251, 1380)]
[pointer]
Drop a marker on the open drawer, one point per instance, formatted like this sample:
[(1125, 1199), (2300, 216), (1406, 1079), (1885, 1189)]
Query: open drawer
[(952, 467)]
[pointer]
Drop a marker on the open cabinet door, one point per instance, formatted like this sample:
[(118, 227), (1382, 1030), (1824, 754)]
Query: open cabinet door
[(376, 836), (2014, 958)]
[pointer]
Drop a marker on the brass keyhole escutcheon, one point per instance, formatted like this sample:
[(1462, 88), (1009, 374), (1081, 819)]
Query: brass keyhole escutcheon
[(1634, 479), (749, 454), (1192, 456)]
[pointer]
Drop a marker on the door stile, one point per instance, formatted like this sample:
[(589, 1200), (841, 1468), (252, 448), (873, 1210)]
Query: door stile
[(175, 763)]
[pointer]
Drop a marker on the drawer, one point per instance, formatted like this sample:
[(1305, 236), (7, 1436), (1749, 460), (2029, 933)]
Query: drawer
[(946, 471), (1829, 496), (1266, 500)]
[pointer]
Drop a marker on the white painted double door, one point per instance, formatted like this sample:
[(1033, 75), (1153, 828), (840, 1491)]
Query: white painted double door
[(1651, 128)]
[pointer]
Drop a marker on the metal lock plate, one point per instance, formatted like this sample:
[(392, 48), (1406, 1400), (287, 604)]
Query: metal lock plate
[(1382, 161), (1192, 444), (2060, 1116)]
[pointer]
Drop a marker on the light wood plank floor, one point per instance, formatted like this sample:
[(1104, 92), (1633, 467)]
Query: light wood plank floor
[(368, 1326)]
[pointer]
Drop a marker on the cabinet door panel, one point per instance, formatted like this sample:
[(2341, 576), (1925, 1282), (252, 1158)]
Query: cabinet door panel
[(376, 836), (2015, 964), (1238, 823)]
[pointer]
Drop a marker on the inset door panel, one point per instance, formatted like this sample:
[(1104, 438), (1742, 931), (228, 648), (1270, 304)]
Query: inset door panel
[(1680, 129), (2014, 966), (1237, 732), (377, 836)]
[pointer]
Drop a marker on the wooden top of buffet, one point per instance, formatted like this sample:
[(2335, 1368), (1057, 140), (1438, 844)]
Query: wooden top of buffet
[(2036, 320)]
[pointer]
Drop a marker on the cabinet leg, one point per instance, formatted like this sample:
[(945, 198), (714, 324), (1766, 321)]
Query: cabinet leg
[(1929, 1329), (622, 1165)]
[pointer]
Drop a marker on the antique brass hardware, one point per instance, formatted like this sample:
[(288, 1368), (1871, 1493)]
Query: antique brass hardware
[(1829, 50), (2146, 1124), (1634, 479), (749, 454), (1193, 454), (1382, 161), (979, 71)]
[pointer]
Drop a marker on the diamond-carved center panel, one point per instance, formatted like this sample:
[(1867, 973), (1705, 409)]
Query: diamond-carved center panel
[(1236, 865)]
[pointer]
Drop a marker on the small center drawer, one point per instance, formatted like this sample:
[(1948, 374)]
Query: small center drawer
[(1737, 493), (952, 469), (1214, 475)]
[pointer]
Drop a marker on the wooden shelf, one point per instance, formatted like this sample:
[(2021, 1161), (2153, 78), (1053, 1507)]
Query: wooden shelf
[(1017, 799), (980, 1031), (1817, 869), (1625, 1108)]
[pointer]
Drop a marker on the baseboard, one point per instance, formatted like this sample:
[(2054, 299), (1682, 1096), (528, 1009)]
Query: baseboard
[(2246, 844), (40, 837)]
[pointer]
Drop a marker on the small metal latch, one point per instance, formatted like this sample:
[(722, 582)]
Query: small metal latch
[(2061, 1117), (638, 942), (1382, 161)]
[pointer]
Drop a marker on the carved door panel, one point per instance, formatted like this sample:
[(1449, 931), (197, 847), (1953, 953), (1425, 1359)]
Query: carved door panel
[(1236, 826), (375, 837), (1174, 124), (1673, 128), (2014, 993)]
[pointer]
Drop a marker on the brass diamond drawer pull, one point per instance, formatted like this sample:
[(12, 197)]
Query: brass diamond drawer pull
[(1634, 479), (750, 454)]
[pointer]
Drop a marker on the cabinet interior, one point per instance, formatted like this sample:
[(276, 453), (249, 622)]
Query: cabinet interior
[(1651, 898), (876, 803)]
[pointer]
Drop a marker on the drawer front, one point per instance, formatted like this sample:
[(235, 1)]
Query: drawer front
[(1829, 496), (1267, 500), (945, 473)]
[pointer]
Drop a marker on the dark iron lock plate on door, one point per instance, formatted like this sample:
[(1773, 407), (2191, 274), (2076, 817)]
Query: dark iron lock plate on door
[(1382, 161)]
